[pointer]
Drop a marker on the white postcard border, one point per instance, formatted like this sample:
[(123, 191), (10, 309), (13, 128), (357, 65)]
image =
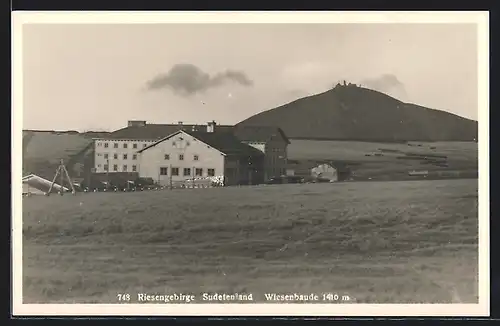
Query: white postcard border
[(480, 18)]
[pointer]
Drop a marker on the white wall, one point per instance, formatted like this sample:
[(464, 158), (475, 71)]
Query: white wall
[(325, 171), (153, 158), (101, 150), (260, 146)]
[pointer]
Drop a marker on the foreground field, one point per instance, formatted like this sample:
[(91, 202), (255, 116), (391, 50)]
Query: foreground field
[(390, 242)]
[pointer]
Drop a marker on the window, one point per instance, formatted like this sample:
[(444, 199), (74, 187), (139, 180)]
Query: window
[(125, 145), (106, 156), (106, 145), (167, 157), (99, 154), (175, 171), (125, 156), (144, 145), (173, 143), (106, 167), (125, 168), (134, 145), (99, 144), (163, 171), (134, 168), (187, 171), (134, 156), (181, 157), (115, 156), (115, 167), (199, 172), (115, 145), (211, 172), (196, 157), (98, 165)]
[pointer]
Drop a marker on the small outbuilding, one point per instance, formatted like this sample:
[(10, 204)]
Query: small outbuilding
[(34, 184), (325, 171)]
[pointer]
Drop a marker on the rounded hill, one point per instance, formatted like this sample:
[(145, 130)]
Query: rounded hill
[(355, 113)]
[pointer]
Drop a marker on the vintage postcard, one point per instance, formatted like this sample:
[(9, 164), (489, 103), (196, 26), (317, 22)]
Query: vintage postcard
[(250, 163)]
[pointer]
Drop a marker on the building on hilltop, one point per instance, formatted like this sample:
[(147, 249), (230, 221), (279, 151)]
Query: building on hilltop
[(125, 150)]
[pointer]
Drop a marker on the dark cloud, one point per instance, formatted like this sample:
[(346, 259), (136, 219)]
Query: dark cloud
[(188, 79), (386, 84)]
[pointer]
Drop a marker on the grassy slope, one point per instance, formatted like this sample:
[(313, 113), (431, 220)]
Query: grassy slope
[(461, 156), (354, 113), (42, 151), (385, 242)]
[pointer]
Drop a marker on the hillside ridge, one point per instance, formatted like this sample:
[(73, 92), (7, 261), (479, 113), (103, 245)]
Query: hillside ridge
[(356, 113)]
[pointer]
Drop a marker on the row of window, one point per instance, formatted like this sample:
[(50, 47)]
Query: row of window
[(135, 145), (134, 157), (198, 172), (115, 145), (115, 168), (115, 156), (181, 157)]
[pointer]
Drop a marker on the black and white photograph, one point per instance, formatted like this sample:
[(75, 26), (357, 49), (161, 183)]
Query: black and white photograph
[(250, 163)]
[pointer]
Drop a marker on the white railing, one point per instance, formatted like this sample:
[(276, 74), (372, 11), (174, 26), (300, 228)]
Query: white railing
[(200, 182)]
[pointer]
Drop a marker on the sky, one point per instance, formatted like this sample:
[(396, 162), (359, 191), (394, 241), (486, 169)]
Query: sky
[(97, 77)]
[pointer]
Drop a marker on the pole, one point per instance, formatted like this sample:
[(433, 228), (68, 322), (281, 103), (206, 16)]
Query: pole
[(89, 179), (62, 178), (107, 175), (249, 167), (69, 180), (53, 181), (170, 175)]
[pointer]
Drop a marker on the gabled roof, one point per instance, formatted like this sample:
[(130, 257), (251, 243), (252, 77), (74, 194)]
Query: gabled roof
[(147, 132), (225, 142), (40, 183), (159, 131), (259, 133)]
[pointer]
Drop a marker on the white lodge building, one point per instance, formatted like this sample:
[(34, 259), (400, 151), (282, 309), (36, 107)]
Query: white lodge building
[(118, 155), (177, 152), (187, 155)]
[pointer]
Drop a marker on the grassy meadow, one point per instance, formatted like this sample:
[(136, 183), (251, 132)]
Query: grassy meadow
[(386, 161), (368, 242)]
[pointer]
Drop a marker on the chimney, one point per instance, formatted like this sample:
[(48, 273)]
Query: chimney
[(136, 123), (211, 126)]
